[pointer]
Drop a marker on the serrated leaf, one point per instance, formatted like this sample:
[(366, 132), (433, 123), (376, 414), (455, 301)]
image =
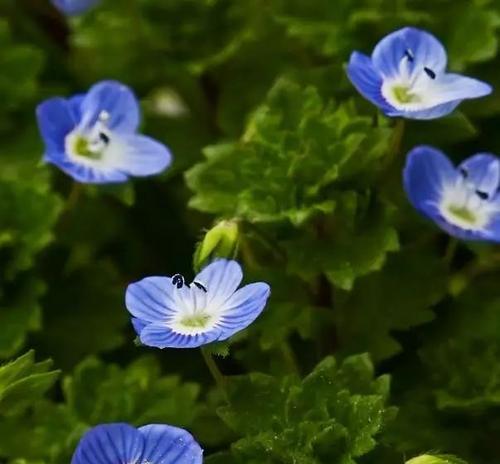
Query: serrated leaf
[(333, 414)]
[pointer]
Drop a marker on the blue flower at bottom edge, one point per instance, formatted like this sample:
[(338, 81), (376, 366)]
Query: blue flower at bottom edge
[(124, 444), (464, 201), (74, 7), (406, 76), (170, 313), (93, 137)]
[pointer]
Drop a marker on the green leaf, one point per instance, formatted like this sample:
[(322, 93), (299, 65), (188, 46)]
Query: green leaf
[(390, 301), (294, 148), (139, 394), (473, 37), (23, 382), (20, 64), (354, 242), (332, 415)]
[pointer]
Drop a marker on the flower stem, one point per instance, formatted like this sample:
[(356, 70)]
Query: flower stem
[(449, 254), (397, 140), (215, 371), (74, 196), (289, 358)]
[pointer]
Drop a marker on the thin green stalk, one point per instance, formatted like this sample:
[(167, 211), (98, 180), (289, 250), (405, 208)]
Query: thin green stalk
[(289, 358), (397, 140), (449, 254), (74, 196), (215, 371)]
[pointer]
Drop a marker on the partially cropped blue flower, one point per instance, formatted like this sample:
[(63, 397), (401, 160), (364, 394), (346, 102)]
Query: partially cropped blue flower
[(124, 444), (464, 201), (406, 76), (169, 312), (74, 7), (94, 139)]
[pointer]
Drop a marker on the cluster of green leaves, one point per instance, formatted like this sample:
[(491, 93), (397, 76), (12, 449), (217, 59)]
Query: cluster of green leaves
[(332, 415), (269, 136)]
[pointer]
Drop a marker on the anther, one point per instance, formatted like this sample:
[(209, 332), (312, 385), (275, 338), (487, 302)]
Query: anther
[(200, 286), (409, 55), (430, 73), (178, 280), (104, 138), (482, 195)]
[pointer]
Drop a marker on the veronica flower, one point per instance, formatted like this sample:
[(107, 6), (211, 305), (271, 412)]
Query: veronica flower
[(168, 312), (74, 7), (464, 200), (406, 76), (93, 137), (124, 444)]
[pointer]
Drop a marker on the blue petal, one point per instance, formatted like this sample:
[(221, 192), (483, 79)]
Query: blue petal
[(158, 335), (117, 100), (85, 173), (486, 234), (425, 173), (483, 171), (75, 105), (151, 299), (55, 121), (491, 232), (141, 155), (433, 112), (452, 87), (366, 80), (138, 325), (74, 7), (426, 50), (110, 444), (170, 445), (243, 308), (221, 279)]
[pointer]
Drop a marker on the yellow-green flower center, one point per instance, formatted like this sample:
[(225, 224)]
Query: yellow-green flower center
[(198, 320), (81, 148), (404, 95), (462, 213)]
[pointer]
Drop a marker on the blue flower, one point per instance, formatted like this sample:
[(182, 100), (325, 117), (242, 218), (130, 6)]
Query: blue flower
[(406, 76), (93, 137), (124, 444), (169, 313), (463, 201), (74, 7)]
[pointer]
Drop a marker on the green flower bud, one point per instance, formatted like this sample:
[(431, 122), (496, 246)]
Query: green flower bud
[(221, 241), (435, 459)]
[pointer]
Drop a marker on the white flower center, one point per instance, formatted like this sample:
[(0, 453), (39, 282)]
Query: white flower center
[(88, 146), (410, 90), (462, 205), (195, 314)]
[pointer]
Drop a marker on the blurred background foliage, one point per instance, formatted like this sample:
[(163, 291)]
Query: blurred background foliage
[(252, 98)]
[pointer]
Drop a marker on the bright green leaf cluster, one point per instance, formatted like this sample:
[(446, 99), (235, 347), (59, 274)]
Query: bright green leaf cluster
[(332, 415)]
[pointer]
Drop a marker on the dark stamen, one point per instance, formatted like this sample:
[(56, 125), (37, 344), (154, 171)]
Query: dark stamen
[(178, 281), (430, 73), (464, 173), (482, 195), (200, 286), (409, 55), (104, 137)]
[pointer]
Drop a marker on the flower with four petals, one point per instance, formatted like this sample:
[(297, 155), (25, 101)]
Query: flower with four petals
[(406, 76), (464, 201), (74, 7), (170, 313), (93, 137), (124, 444)]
